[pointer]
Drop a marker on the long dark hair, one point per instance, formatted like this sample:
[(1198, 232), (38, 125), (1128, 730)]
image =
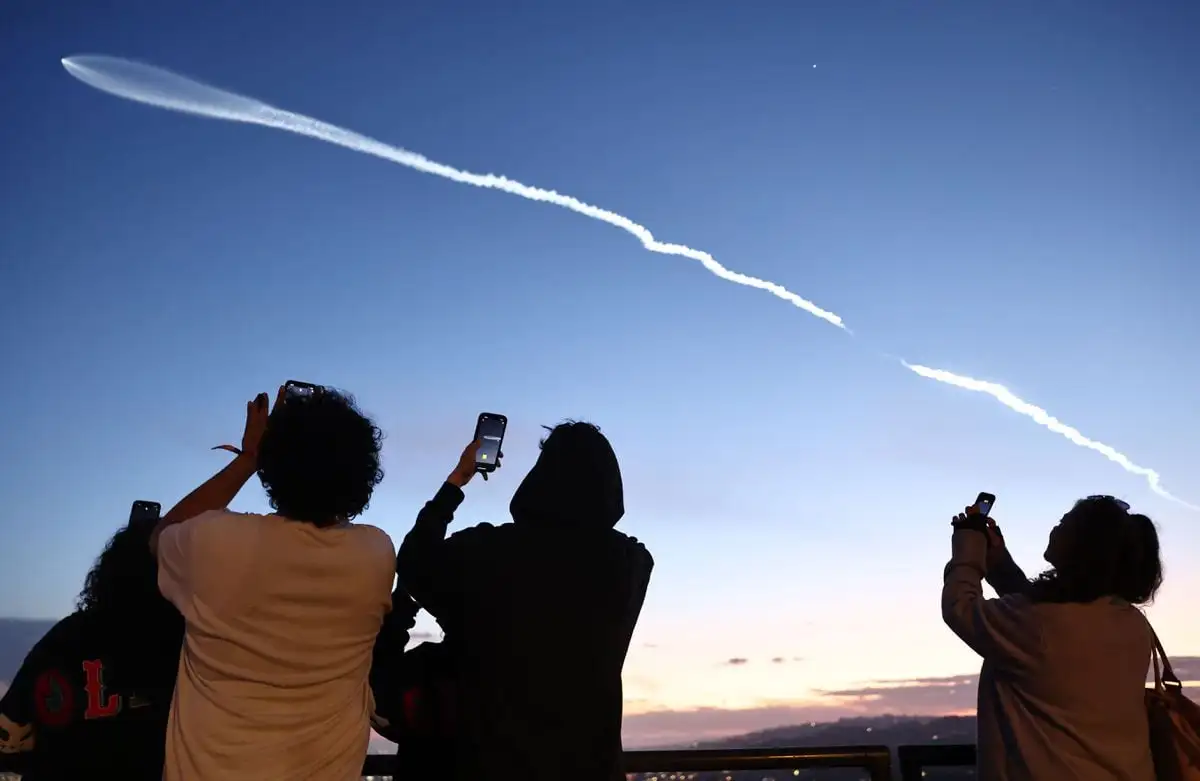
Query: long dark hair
[(121, 593), (124, 579), (1110, 552)]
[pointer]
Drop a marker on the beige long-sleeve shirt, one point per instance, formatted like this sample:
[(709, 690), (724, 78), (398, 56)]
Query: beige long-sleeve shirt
[(1061, 691)]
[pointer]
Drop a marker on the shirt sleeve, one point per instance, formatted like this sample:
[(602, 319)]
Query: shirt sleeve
[(421, 564), (1006, 576), (177, 561), (1001, 630), (16, 707)]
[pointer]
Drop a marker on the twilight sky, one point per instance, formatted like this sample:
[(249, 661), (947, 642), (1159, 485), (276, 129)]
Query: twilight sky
[(1008, 191)]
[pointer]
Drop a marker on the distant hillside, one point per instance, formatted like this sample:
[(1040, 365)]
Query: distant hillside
[(890, 731), (885, 730)]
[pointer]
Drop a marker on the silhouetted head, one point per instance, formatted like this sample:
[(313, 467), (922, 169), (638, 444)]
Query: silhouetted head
[(121, 594), (576, 481), (319, 459), (1100, 549), (124, 579)]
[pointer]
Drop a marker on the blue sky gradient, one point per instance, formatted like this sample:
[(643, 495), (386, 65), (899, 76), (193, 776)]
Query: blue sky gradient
[(1005, 191)]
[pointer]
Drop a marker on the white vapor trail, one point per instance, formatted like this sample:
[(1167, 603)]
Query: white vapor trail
[(158, 87), (1043, 418)]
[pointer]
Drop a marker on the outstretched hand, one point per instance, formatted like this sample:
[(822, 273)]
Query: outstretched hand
[(258, 412)]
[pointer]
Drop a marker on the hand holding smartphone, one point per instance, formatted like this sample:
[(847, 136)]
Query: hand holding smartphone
[(489, 433), (976, 516), (983, 504)]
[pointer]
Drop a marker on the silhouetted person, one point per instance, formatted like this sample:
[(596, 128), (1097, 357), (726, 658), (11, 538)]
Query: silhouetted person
[(538, 613), (415, 695), (1065, 656), (92, 697), (282, 610)]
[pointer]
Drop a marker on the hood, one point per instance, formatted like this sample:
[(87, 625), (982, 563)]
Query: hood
[(576, 482)]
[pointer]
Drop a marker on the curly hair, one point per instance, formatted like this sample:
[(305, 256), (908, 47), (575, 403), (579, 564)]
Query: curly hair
[(319, 459), (124, 578), (1110, 552)]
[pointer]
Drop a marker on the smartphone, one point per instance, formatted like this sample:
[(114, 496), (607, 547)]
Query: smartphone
[(489, 432), (984, 503), (294, 389), (144, 512)]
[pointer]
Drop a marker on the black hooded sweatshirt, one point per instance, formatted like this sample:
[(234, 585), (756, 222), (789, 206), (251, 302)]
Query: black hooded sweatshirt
[(540, 613)]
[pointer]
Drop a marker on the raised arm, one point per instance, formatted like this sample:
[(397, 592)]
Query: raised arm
[(1002, 630), (1003, 574), (218, 491), (424, 566)]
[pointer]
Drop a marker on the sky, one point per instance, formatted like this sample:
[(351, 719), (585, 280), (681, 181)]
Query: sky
[(1007, 191)]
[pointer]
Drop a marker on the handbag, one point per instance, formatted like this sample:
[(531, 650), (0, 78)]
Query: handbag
[(1174, 722)]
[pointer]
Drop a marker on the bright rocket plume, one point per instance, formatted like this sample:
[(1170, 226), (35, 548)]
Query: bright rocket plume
[(1043, 418), (158, 87)]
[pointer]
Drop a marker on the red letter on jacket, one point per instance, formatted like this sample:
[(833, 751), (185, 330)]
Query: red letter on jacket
[(98, 707)]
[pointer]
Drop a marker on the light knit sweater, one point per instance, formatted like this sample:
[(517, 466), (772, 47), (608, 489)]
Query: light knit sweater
[(1061, 692)]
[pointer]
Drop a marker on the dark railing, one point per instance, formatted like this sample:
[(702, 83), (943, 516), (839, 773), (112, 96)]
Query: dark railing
[(876, 761), (914, 759)]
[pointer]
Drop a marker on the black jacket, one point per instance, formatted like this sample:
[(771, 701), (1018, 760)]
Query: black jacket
[(540, 613), (91, 700)]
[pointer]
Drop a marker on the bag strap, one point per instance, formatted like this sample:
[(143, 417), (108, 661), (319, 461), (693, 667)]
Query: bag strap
[(1165, 676)]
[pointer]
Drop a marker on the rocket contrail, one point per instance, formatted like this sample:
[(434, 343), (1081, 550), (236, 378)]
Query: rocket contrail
[(158, 87), (1043, 418)]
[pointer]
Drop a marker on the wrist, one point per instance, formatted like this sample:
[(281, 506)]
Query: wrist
[(246, 464), (459, 479)]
